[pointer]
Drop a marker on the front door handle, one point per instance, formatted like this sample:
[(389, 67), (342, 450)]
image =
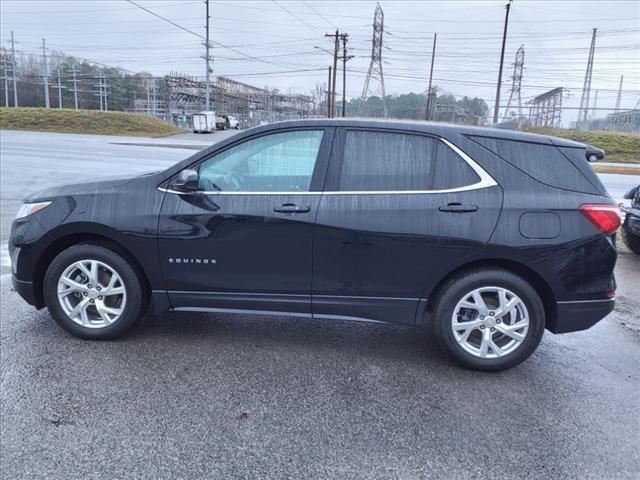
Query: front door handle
[(291, 208), (458, 208)]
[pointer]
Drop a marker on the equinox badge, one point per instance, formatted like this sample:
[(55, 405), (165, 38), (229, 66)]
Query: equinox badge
[(206, 261)]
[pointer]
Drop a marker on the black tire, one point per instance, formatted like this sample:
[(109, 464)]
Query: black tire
[(632, 241), (458, 287), (135, 294)]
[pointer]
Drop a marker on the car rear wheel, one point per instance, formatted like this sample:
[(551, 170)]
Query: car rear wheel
[(489, 319), (93, 293)]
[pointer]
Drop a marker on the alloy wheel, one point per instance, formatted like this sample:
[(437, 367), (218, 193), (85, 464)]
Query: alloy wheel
[(92, 294), (490, 322)]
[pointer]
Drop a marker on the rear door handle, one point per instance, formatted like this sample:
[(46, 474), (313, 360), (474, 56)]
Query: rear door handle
[(458, 208), (291, 208)]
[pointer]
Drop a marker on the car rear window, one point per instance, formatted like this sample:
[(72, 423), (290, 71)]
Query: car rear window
[(578, 157), (543, 162), (388, 161)]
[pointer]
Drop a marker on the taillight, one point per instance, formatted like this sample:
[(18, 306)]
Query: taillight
[(606, 217)]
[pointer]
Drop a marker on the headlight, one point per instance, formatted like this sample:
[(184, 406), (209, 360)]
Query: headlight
[(31, 208)]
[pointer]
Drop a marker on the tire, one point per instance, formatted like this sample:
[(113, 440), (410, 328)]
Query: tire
[(99, 315), (454, 299), (632, 241), (237, 127)]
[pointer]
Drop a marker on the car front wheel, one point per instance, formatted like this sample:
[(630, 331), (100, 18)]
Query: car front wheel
[(93, 293), (489, 319)]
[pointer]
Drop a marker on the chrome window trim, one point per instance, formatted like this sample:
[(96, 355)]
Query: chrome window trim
[(485, 181)]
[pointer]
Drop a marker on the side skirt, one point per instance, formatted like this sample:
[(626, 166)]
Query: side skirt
[(356, 308)]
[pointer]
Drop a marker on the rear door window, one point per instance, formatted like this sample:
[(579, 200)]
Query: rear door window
[(387, 161)]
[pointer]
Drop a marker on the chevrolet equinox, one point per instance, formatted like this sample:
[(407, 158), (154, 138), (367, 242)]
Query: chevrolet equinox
[(488, 236)]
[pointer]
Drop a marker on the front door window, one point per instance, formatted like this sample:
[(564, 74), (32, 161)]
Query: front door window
[(281, 162)]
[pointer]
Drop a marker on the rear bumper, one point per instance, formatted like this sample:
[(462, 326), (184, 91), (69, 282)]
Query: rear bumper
[(24, 289), (580, 315)]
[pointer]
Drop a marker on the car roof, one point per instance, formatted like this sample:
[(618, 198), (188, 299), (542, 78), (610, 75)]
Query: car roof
[(437, 128)]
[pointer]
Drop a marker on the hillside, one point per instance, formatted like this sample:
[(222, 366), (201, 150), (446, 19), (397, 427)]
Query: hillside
[(84, 121), (618, 147)]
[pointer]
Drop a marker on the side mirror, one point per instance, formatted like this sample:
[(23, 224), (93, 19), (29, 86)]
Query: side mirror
[(633, 193), (186, 181)]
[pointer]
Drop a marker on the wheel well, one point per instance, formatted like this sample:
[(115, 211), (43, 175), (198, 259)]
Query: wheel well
[(67, 241), (534, 279)]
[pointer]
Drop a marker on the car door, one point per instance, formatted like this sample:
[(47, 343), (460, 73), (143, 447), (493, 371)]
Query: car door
[(241, 239), (398, 208)]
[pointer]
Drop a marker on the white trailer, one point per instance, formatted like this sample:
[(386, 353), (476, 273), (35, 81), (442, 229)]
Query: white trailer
[(204, 122)]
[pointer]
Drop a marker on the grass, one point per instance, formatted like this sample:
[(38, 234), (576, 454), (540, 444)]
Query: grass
[(618, 147), (84, 121)]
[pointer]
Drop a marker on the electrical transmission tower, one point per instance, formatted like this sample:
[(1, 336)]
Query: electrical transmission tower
[(586, 89), (518, 68), (375, 67), (619, 94)]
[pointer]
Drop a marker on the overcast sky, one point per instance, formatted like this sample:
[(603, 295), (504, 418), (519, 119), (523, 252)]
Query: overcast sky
[(274, 43)]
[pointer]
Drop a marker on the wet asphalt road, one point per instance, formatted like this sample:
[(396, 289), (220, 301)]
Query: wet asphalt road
[(223, 396)]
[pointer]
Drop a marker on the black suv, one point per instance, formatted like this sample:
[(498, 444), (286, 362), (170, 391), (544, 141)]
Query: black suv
[(490, 236)]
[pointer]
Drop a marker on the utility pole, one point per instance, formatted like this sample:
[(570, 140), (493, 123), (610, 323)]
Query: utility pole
[(153, 97), (148, 95), (45, 76), (336, 50), (329, 94), (586, 89), (496, 110), (5, 78), (344, 37), (427, 113), (595, 105), (60, 87), (619, 94), (104, 90), (99, 94), (13, 70), (74, 71), (207, 46)]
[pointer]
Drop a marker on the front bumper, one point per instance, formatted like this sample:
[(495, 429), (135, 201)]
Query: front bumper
[(580, 315), (24, 289)]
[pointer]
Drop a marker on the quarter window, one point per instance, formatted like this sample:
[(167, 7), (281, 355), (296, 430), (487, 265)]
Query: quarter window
[(384, 161), (280, 162)]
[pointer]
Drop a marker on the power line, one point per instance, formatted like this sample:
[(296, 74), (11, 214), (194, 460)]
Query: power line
[(294, 15)]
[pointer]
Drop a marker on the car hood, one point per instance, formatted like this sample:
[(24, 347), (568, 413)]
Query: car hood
[(104, 185)]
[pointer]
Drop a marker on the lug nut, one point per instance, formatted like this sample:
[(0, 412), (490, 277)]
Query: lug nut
[(498, 320), (89, 286), (493, 329), (98, 288), (91, 301), (491, 313), (481, 327), (85, 293), (100, 298), (481, 317)]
